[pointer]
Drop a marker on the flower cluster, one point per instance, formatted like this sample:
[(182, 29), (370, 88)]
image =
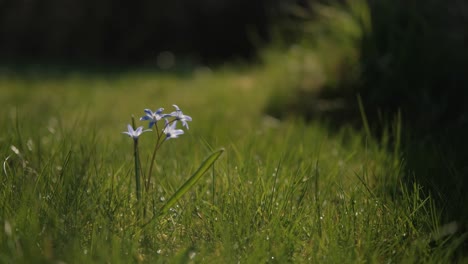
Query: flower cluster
[(145, 210), (169, 130)]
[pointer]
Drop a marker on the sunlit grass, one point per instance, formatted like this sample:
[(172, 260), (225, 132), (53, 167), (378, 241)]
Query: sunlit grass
[(283, 191)]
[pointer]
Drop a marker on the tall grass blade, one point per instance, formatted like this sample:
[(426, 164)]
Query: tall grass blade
[(204, 167), (364, 117), (317, 199), (397, 126)]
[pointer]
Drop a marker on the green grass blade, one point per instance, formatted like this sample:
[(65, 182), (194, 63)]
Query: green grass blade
[(364, 117), (192, 180)]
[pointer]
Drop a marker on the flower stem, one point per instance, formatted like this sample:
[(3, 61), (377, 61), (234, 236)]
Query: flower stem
[(153, 157), (151, 166), (137, 170), (137, 164)]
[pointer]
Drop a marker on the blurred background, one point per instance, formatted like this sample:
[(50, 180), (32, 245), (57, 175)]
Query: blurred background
[(402, 58), (136, 32)]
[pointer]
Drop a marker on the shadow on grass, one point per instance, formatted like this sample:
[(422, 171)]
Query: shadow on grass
[(412, 60), (435, 154)]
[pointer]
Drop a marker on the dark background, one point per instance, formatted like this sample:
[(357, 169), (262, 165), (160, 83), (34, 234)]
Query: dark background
[(132, 32)]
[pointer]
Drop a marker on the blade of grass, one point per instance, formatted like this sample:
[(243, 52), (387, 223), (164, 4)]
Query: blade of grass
[(192, 180), (363, 116), (317, 199)]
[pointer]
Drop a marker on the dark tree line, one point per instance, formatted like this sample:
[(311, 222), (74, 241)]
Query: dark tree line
[(121, 31)]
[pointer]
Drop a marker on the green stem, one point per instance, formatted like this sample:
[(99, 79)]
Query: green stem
[(137, 164), (156, 147), (153, 157), (137, 169)]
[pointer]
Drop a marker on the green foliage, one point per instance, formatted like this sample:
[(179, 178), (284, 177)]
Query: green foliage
[(284, 191), (397, 55), (324, 61), (404, 60)]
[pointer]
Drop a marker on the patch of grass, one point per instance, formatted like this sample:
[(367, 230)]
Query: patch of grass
[(283, 191), (389, 55)]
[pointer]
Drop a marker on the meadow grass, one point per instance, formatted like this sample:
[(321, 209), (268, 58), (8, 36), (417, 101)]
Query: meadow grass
[(283, 191)]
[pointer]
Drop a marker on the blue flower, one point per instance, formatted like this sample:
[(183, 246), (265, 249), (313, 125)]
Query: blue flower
[(170, 130), (153, 117), (135, 133), (180, 116)]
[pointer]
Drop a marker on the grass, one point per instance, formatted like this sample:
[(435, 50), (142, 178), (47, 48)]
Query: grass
[(283, 191)]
